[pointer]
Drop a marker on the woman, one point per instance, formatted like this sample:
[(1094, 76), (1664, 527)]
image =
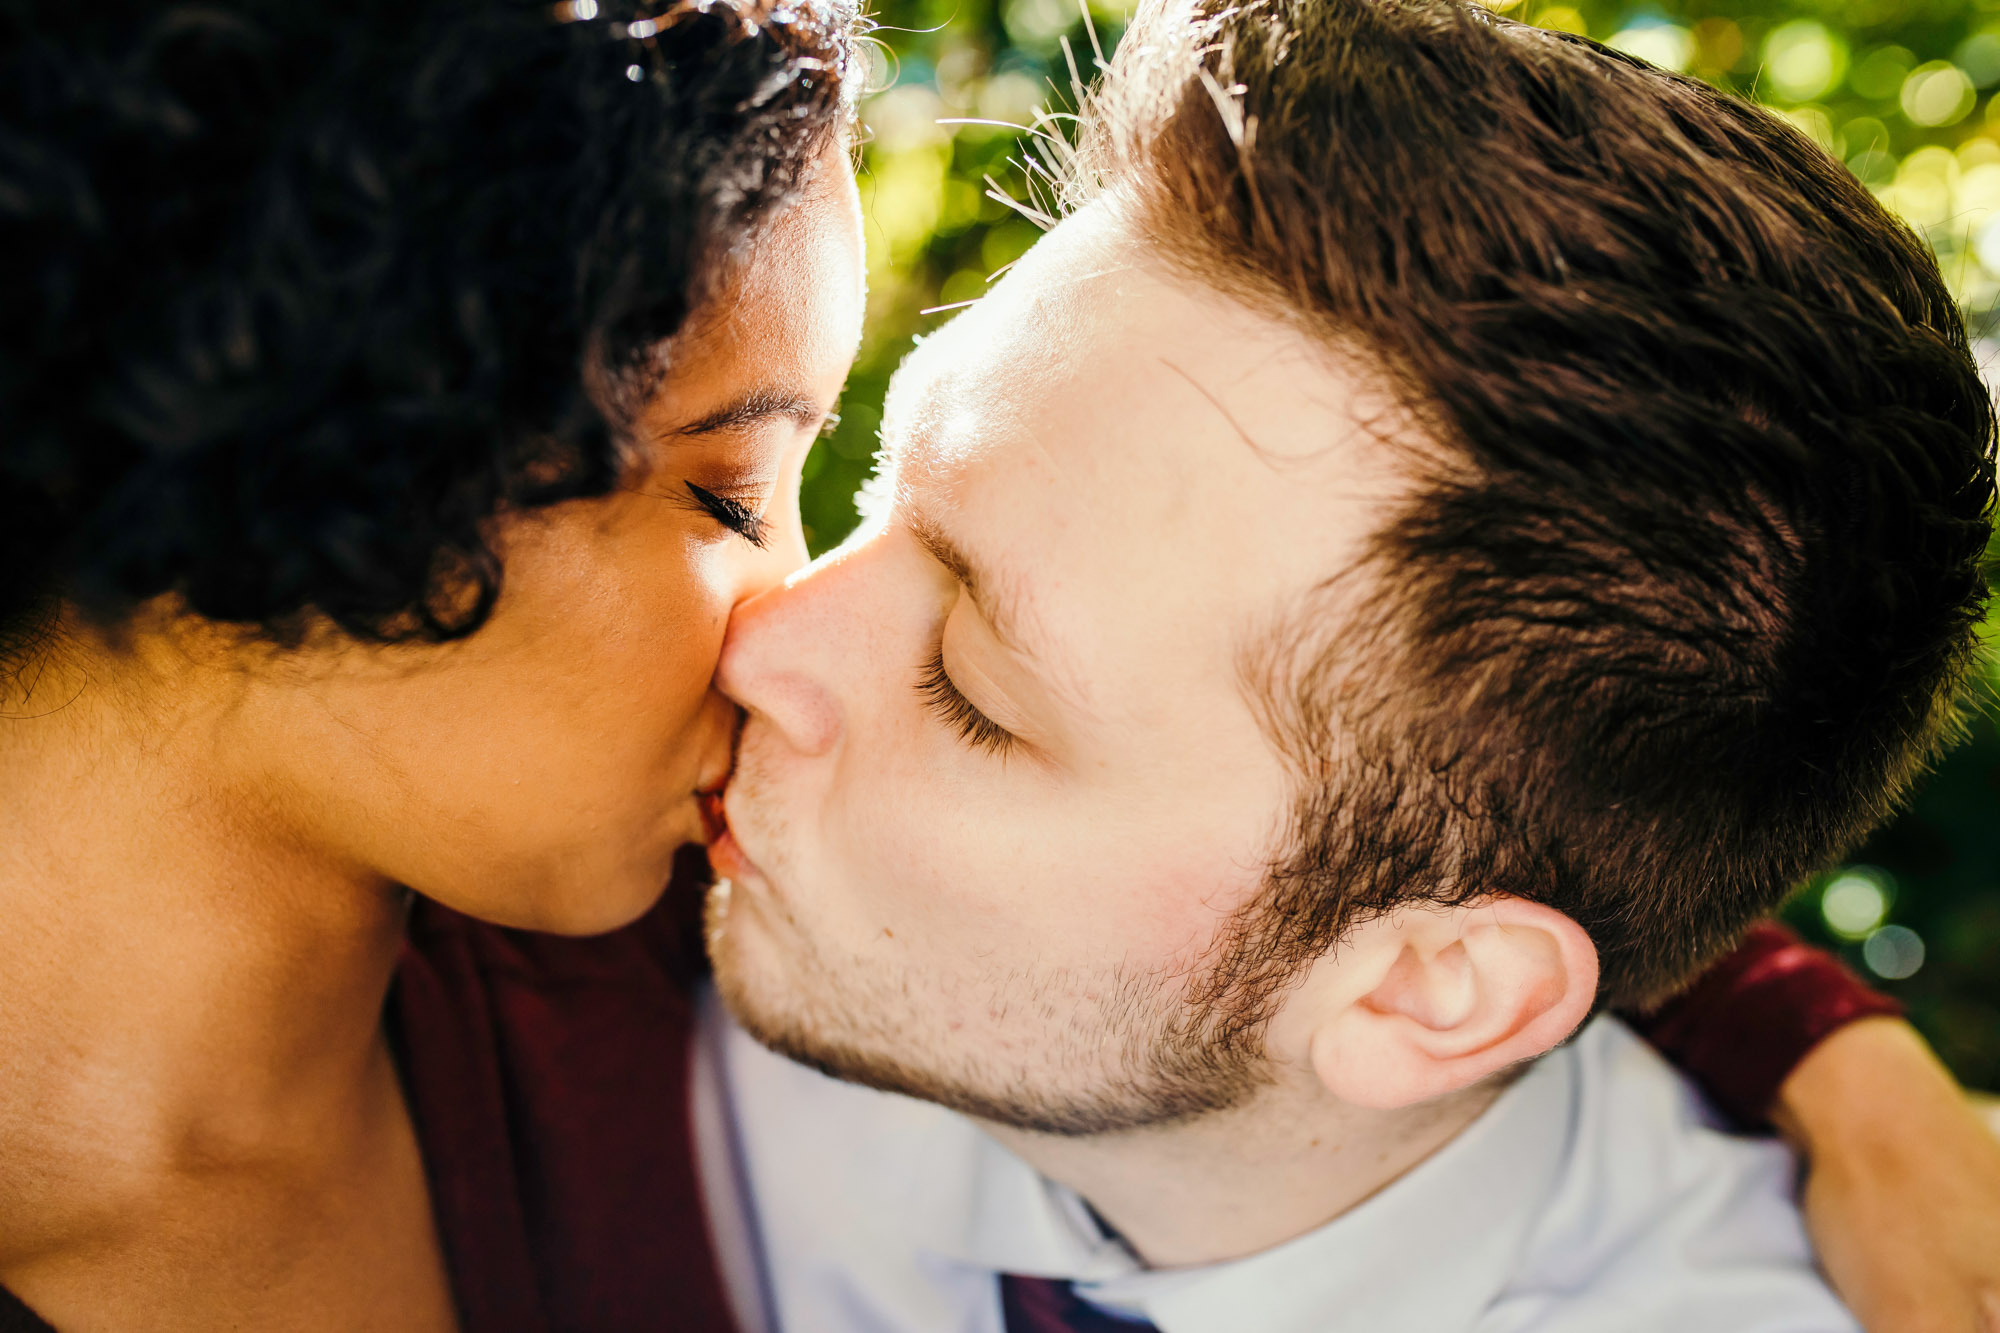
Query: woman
[(392, 405), (320, 318)]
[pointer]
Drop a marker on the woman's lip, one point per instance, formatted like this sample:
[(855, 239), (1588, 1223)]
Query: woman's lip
[(714, 819)]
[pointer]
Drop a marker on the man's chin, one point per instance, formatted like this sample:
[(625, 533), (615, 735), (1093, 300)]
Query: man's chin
[(786, 1022), (797, 1040), (763, 994), (741, 958)]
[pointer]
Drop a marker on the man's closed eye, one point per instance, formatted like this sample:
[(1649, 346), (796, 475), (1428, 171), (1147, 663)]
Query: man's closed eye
[(943, 699)]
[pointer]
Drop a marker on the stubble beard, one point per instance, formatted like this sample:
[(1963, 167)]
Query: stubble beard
[(1136, 1059)]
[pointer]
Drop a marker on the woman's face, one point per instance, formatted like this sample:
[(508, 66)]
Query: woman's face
[(542, 772)]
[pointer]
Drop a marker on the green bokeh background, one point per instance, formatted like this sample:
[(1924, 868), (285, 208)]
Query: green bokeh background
[(1904, 91)]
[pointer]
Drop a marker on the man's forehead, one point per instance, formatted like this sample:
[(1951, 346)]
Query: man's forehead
[(1154, 431), (929, 422), (1037, 332), (962, 389), (1183, 467)]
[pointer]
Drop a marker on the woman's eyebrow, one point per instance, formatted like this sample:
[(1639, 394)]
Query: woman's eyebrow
[(753, 409)]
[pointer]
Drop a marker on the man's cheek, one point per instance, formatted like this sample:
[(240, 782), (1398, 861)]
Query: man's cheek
[(915, 859)]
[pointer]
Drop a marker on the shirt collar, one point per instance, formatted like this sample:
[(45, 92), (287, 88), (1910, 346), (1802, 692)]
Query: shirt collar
[(1430, 1250)]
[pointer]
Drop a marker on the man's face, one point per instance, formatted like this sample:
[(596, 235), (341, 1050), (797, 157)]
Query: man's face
[(1003, 784)]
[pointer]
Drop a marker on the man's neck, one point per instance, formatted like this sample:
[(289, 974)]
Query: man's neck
[(192, 986), (1233, 1183)]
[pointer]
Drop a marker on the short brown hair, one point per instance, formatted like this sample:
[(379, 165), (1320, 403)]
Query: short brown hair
[(1691, 573)]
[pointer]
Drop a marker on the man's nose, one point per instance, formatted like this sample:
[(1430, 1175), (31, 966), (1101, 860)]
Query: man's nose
[(772, 659)]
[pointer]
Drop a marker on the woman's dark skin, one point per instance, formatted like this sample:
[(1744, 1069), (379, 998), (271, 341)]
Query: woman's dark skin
[(207, 839)]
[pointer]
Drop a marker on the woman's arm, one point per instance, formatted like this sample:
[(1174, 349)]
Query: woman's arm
[(1902, 1190)]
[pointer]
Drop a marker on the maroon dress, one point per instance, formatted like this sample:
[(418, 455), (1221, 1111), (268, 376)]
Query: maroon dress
[(548, 1079)]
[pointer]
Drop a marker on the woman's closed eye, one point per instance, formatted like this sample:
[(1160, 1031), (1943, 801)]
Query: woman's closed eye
[(738, 517), (943, 699)]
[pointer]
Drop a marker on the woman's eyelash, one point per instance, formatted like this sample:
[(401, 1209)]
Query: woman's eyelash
[(956, 711), (734, 515)]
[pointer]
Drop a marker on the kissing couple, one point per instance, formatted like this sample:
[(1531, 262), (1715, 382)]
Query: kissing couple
[(1264, 828)]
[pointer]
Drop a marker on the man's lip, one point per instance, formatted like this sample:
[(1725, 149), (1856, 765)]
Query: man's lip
[(726, 858)]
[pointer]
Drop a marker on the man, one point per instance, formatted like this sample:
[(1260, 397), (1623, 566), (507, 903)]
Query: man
[(1454, 529)]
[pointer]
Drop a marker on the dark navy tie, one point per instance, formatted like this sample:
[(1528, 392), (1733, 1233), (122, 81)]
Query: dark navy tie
[(1047, 1305)]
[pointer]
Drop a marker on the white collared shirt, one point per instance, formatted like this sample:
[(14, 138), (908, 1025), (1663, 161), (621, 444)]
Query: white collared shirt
[(1593, 1196)]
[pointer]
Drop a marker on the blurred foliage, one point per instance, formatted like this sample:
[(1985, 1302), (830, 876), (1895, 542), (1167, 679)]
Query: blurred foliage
[(1903, 91)]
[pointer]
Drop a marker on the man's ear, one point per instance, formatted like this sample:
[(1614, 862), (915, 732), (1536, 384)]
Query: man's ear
[(1423, 1000)]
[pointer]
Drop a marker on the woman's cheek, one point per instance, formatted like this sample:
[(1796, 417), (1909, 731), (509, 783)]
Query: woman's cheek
[(701, 593)]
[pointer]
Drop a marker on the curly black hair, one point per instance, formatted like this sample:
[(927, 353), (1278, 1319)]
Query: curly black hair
[(298, 296)]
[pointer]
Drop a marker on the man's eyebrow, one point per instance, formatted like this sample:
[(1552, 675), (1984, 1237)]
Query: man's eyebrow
[(1004, 608), (994, 599), (754, 409)]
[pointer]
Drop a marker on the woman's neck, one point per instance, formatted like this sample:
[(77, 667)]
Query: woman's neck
[(192, 983)]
